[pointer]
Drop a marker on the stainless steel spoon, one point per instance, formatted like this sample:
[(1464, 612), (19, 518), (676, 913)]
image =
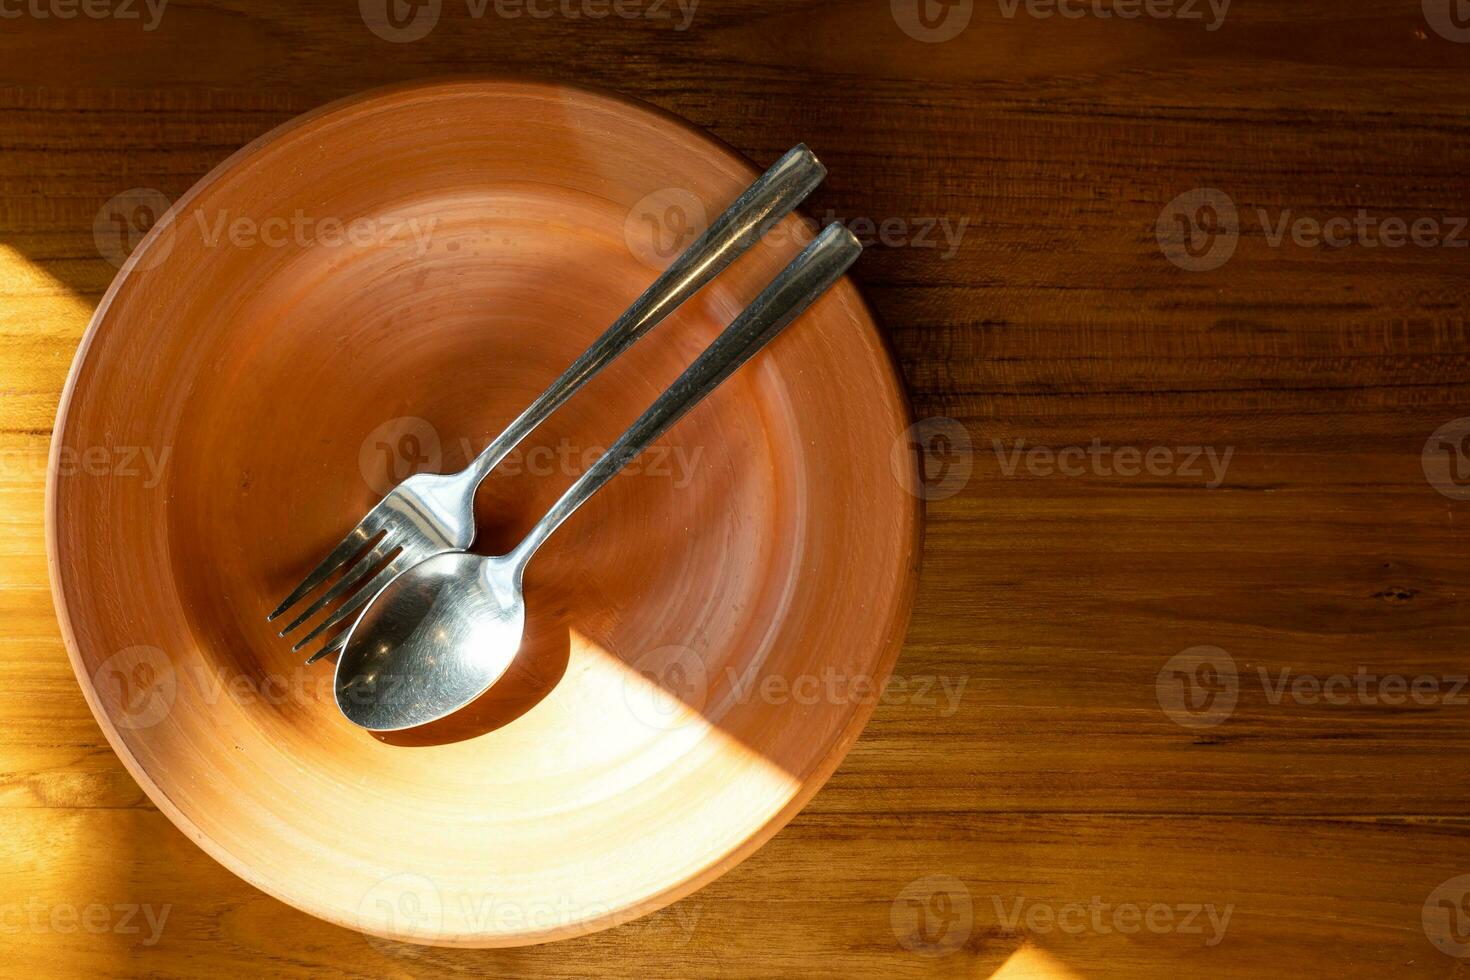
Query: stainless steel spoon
[(437, 636)]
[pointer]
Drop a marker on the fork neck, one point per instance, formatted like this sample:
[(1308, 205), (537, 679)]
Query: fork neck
[(500, 447)]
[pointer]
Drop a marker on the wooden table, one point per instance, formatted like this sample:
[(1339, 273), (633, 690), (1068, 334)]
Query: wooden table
[(1209, 722)]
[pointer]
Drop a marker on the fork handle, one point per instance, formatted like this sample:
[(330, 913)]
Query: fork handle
[(808, 276), (774, 195)]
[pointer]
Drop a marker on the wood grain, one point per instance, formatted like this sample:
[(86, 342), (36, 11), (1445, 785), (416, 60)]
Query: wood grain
[(1055, 599)]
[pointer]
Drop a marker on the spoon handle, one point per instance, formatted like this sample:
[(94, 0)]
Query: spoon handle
[(808, 276), (775, 194)]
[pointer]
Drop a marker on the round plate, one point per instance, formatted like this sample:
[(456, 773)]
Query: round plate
[(379, 287)]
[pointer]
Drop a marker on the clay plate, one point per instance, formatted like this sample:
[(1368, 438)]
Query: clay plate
[(378, 287)]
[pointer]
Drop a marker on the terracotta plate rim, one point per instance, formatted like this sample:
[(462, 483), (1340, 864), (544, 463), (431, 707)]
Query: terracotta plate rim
[(890, 645)]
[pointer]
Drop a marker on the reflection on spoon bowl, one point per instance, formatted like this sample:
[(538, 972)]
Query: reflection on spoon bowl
[(434, 639)]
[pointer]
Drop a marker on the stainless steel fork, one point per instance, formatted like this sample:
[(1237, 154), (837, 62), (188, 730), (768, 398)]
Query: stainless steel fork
[(432, 513)]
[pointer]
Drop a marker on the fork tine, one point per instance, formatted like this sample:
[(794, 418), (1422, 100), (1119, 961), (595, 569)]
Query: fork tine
[(333, 645), (359, 571), (358, 538), (369, 589)]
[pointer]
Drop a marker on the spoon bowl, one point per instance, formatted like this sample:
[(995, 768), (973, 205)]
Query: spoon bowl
[(434, 639)]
